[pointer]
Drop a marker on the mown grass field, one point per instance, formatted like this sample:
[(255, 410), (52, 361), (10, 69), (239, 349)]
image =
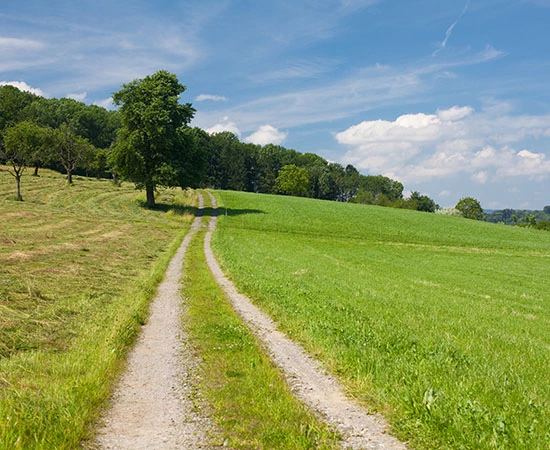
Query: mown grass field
[(440, 323), (78, 267)]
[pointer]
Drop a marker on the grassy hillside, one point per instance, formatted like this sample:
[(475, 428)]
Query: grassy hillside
[(441, 323), (78, 266)]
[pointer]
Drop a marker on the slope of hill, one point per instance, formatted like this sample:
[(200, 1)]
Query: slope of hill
[(439, 322)]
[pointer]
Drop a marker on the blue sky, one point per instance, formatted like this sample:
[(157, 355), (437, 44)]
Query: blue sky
[(452, 98)]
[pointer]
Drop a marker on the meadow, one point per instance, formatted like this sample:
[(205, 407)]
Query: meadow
[(79, 265), (439, 323)]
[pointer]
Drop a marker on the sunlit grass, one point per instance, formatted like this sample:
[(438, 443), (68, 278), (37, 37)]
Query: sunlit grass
[(249, 399), (438, 322), (78, 267)]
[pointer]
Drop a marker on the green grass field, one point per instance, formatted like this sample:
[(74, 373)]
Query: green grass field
[(78, 267), (440, 323)]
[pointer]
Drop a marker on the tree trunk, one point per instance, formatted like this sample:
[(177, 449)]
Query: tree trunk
[(70, 177), (18, 182), (35, 174), (150, 190)]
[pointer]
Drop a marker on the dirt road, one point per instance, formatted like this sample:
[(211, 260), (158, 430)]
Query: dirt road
[(153, 406)]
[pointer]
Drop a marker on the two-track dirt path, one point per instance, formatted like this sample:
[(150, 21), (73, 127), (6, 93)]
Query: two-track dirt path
[(153, 406)]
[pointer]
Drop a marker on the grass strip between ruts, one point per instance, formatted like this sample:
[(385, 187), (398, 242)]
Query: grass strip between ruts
[(249, 398)]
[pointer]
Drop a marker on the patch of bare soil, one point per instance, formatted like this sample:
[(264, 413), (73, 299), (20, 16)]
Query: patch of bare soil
[(306, 378), (153, 406)]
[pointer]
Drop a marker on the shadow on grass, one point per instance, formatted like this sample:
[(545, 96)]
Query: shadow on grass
[(181, 210)]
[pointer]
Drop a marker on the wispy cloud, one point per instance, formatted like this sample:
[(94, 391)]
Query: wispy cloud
[(214, 98), (450, 30), (364, 90)]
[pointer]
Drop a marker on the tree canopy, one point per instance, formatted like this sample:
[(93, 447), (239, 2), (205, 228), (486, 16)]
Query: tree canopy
[(152, 147), (470, 208)]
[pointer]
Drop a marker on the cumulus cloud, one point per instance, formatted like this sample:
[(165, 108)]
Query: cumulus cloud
[(420, 147), (224, 125), (214, 98), (78, 97), (22, 86), (454, 113), (267, 134)]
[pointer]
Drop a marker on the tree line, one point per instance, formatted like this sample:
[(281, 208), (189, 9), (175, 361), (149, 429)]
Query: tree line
[(148, 140)]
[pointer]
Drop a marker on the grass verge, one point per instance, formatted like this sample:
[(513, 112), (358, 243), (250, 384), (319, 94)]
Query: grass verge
[(249, 398)]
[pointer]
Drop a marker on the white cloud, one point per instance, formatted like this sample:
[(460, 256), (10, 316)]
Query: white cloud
[(78, 97), (454, 113), (450, 29), (22, 86), (214, 98), (14, 44), (420, 147), (267, 134), (105, 103), (224, 125), (480, 177)]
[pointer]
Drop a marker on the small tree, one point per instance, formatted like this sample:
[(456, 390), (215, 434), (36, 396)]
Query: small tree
[(70, 149), (22, 145), (292, 180), (470, 208)]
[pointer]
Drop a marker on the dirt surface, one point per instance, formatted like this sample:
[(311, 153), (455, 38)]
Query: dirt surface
[(308, 381), (153, 406)]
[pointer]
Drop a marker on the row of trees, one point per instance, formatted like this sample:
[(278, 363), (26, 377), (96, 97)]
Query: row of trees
[(148, 140)]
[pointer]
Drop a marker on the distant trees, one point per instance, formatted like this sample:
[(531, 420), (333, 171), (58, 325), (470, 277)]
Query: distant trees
[(470, 208), (152, 148)]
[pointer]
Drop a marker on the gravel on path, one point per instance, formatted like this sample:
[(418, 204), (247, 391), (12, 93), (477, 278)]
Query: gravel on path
[(152, 407)]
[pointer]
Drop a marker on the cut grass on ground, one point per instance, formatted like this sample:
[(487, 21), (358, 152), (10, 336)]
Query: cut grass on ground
[(251, 402), (440, 323), (78, 267)]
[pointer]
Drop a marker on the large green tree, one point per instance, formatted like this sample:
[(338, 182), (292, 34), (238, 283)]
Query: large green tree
[(152, 147)]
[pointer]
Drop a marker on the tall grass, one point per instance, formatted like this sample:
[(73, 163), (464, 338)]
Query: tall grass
[(440, 323), (78, 267)]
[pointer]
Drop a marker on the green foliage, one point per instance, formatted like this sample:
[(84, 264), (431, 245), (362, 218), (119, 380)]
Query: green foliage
[(438, 322), (470, 208), (152, 149), (514, 216), (292, 180), (25, 143)]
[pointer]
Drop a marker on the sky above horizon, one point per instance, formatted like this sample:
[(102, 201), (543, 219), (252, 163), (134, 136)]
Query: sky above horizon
[(451, 98)]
